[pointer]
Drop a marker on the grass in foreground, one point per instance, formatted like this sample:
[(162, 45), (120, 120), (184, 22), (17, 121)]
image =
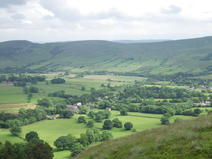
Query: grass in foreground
[(190, 139), (50, 130)]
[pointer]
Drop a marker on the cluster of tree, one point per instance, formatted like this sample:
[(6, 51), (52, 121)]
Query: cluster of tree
[(151, 106), (33, 149), (44, 102), (92, 97), (116, 123), (52, 109), (192, 112), (5, 117), (140, 92), (58, 81), (183, 79), (100, 115), (24, 117), (31, 89), (82, 119), (21, 79), (66, 114), (165, 119), (76, 145)]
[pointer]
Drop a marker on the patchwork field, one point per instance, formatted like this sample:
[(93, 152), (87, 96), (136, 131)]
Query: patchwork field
[(50, 130), (12, 98), (14, 108), (10, 94)]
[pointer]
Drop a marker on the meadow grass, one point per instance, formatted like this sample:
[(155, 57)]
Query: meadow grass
[(187, 139), (62, 155), (5, 135), (50, 130), (14, 108), (11, 94)]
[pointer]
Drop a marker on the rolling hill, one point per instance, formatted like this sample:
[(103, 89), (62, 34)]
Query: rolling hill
[(190, 139), (190, 56)]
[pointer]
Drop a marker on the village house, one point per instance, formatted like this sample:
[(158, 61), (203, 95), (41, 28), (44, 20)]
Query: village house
[(108, 109), (203, 104), (74, 108), (51, 117)]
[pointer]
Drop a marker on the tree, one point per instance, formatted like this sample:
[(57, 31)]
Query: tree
[(13, 151), (76, 149), (106, 135), (117, 123), (108, 124), (90, 124), (65, 142), (93, 135), (39, 150), (82, 88), (31, 136), (81, 119), (30, 150), (98, 117), (128, 126), (33, 89), (58, 81), (29, 97), (91, 114), (15, 130), (164, 120), (123, 112), (44, 102), (84, 139), (197, 112), (83, 110), (66, 114)]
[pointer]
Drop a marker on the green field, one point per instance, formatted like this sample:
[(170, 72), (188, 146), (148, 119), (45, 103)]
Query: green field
[(50, 130), (12, 99), (11, 94), (189, 139)]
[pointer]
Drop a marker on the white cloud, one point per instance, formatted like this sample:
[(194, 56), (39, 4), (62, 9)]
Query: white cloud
[(60, 20), (171, 10), (7, 3)]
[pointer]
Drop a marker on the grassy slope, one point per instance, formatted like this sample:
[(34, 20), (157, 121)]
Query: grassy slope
[(49, 130), (190, 139), (163, 57)]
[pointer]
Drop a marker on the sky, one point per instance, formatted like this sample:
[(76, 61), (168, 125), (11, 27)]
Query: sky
[(69, 20)]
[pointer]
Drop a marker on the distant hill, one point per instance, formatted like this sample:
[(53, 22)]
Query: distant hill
[(190, 139), (169, 57), (140, 41)]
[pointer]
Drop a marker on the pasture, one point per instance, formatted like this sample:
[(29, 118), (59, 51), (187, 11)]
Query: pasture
[(11, 95), (14, 108), (50, 130)]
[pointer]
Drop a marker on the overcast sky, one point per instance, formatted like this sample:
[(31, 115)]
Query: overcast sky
[(67, 20)]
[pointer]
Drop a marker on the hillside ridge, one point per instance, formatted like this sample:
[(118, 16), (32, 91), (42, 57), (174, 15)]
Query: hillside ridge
[(166, 57)]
